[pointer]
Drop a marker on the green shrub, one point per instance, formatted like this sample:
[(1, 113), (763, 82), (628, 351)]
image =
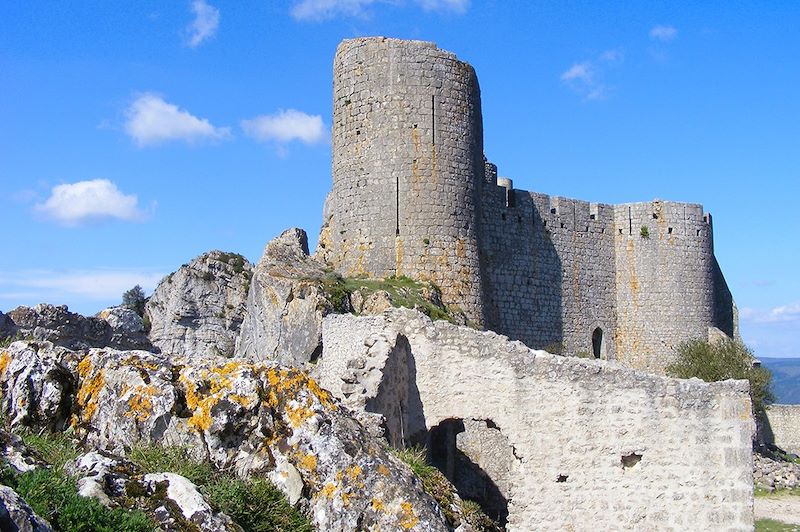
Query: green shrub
[(644, 232), (134, 299), (256, 505), (724, 359)]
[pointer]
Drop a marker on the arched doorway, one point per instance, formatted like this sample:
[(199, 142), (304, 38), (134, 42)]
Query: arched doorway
[(597, 343)]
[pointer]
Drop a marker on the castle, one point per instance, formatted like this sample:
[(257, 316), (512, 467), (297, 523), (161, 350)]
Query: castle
[(414, 195)]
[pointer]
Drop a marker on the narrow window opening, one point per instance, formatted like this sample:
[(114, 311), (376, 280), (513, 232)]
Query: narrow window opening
[(433, 120), (698, 232), (397, 206), (552, 211), (562, 225), (592, 217), (620, 231), (545, 223), (655, 216), (669, 230), (562, 478), (503, 216)]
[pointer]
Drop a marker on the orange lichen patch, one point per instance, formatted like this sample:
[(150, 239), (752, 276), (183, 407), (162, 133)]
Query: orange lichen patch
[(136, 362), (5, 360), (298, 415), (89, 388), (241, 399), (346, 498), (328, 490), (383, 470), (140, 404), (219, 380), (308, 462), (354, 472), (408, 519), (378, 505)]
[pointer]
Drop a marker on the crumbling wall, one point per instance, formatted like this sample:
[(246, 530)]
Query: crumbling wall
[(595, 445)]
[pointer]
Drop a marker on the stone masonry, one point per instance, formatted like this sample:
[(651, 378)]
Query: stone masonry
[(413, 195), (549, 442)]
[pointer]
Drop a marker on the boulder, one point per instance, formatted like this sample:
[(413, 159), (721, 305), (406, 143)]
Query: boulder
[(15, 514), (127, 328), (198, 310), (286, 304), (251, 419), (58, 325)]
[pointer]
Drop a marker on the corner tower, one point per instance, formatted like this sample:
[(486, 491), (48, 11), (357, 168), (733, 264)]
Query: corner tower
[(407, 167)]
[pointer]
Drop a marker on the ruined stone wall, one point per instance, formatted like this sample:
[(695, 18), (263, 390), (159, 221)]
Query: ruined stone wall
[(665, 280), (407, 166), (549, 270), (577, 444), (783, 427)]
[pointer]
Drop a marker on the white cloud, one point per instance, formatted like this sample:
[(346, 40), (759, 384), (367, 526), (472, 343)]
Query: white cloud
[(326, 9), (75, 203), (458, 6), (578, 71), (285, 126), (72, 286), (204, 25), (780, 314), (663, 33), (151, 120)]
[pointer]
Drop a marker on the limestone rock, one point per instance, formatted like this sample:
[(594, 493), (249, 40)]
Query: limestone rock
[(15, 454), (15, 514), (127, 328), (286, 305), (36, 386), (253, 419), (58, 325), (198, 310)]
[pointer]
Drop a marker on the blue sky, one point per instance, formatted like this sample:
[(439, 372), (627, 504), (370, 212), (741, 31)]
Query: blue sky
[(136, 135)]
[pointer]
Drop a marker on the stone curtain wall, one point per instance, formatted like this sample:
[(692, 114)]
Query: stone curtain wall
[(407, 166), (784, 427), (591, 445), (549, 269), (664, 278)]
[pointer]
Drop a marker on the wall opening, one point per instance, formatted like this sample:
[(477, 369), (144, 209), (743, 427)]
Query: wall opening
[(597, 343)]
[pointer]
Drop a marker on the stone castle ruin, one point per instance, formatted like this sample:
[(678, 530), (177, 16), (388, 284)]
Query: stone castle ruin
[(414, 195)]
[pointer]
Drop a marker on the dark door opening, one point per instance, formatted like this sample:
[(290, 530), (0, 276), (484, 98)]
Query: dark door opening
[(597, 343)]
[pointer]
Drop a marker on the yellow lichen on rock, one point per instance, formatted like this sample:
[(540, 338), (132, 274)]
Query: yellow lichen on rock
[(140, 403), (378, 505), (219, 380), (408, 519), (5, 360), (383, 470), (89, 388), (308, 462), (328, 490)]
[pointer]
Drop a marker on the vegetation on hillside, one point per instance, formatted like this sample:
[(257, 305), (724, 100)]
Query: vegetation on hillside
[(720, 360), (403, 292), (255, 504)]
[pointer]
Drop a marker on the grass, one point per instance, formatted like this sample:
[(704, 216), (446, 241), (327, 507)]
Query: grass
[(255, 504), (8, 340), (771, 525), (763, 492), (403, 291)]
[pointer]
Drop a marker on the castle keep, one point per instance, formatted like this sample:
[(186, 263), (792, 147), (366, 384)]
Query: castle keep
[(414, 195)]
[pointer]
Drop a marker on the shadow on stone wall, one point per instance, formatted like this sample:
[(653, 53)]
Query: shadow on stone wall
[(724, 313)]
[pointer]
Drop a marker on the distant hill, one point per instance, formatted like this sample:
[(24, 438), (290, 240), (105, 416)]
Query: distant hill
[(785, 378)]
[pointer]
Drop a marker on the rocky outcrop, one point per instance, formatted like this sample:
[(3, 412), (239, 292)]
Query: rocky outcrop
[(117, 327), (171, 500), (16, 515), (198, 310), (286, 304), (254, 419)]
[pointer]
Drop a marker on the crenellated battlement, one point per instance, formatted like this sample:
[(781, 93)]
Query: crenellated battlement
[(414, 195)]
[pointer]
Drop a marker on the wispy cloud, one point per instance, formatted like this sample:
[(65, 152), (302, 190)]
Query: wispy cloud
[(663, 33), (586, 78), (151, 120), (204, 25), (318, 10), (780, 314), (286, 126), (57, 287), (76, 203), (456, 6)]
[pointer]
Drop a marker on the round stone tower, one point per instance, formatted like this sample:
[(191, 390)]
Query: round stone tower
[(407, 167)]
